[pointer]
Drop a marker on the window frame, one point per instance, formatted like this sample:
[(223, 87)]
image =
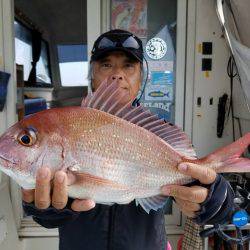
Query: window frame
[(37, 84)]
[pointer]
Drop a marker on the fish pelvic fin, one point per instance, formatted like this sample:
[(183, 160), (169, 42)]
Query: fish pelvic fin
[(229, 157), (109, 98)]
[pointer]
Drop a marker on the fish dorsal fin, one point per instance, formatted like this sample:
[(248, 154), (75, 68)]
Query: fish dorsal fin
[(108, 98)]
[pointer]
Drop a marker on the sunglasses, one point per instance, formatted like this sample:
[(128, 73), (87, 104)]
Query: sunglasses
[(106, 42)]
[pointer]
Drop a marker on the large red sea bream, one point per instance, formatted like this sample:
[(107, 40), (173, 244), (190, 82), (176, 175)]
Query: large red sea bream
[(117, 154)]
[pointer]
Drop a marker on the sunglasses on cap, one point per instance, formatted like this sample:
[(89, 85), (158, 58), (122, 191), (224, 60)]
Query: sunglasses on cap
[(125, 41), (129, 43)]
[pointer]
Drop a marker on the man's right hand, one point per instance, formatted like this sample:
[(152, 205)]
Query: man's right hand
[(47, 193)]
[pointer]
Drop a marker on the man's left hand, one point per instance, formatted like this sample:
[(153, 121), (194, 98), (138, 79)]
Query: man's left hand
[(190, 198)]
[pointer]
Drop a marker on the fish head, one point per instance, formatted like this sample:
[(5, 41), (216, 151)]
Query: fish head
[(27, 146)]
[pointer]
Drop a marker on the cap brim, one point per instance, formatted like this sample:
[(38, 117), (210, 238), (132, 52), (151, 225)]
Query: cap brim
[(102, 53)]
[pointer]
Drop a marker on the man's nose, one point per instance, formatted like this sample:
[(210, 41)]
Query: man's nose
[(117, 77)]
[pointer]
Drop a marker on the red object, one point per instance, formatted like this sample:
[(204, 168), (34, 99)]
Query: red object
[(179, 245)]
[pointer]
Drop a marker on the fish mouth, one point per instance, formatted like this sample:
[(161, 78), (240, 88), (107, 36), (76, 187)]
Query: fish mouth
[(8, 160), (25, 180)]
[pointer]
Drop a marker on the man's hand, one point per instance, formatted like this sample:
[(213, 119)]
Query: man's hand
[(44, 195), (189, 198)]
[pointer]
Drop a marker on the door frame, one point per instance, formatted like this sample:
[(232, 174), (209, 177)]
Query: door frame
[(105, 6)]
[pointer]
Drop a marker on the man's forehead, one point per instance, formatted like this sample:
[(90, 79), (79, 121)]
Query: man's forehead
[(118, 53)]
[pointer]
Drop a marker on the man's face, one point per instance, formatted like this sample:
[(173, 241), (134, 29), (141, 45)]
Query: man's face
[(118, 66)]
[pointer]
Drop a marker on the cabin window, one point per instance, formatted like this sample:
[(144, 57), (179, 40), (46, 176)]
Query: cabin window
[(24, 56), (73, 64), (23, 48)]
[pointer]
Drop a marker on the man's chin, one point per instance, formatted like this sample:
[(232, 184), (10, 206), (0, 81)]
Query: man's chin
[(123, 96)]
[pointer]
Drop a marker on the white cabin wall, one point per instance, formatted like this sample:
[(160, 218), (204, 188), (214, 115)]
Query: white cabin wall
[(8, 228), (40, 243), (204, 118)]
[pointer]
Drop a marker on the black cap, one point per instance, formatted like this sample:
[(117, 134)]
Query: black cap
[(117, 40)]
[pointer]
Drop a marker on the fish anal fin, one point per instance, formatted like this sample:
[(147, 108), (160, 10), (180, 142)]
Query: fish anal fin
[(152, 203)]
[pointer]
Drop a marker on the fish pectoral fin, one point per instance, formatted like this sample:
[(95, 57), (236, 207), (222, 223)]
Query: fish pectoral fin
[(87, 179), (152, 203)]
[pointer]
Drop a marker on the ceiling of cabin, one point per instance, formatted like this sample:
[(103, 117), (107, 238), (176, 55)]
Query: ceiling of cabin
[(64, 21)]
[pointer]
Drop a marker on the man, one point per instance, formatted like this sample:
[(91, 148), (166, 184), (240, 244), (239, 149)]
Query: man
[(118, 55)]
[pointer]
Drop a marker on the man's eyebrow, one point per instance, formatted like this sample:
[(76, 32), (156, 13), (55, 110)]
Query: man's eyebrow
[(103, 60), (130, 60)]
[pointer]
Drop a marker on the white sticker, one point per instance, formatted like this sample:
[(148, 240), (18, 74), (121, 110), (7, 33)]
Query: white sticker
[(161, 65), (165, 106), (156, 48)]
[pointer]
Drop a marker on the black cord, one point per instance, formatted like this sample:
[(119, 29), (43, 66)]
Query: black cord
[(232, 72), (136, 101), (222, 114)]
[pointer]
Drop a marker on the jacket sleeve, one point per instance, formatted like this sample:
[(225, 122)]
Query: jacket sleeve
[(219, 205), (50, 217)]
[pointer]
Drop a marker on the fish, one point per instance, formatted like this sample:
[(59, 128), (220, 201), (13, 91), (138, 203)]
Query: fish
[(158, 94), (117, 152)]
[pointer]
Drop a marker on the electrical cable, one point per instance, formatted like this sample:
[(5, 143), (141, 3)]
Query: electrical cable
[(232, 72)]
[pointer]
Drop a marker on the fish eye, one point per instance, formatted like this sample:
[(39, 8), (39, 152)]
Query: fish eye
[(27, 137)]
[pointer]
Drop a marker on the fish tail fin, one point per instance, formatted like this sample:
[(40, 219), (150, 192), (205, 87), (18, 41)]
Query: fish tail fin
[(230, 158)]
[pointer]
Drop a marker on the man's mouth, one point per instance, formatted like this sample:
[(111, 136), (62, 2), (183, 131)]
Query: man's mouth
[(122, 86)]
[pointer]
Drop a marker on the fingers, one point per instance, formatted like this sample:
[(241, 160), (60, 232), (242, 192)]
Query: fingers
[(187, 205), (60, 192), (204, 174), (82, 205), (42, 191), (71, 178), (28, 195), (194, 194)]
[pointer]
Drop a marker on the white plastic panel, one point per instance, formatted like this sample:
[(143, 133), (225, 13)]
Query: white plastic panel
[(2, 114), (3, 229), (213, 85)]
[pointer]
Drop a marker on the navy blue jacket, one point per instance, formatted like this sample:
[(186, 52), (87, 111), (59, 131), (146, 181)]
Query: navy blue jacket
[(117, 227), (126, 227)]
